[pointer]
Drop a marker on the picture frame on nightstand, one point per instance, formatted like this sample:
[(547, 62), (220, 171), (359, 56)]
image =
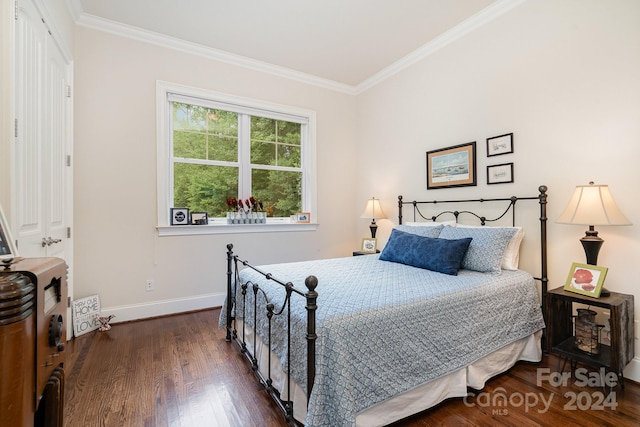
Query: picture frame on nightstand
[(369, 245), (586, 279)]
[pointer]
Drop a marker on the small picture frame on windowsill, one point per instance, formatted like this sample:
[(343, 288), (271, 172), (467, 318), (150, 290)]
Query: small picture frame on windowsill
[(180, 216), (199, 218), (303, 217)]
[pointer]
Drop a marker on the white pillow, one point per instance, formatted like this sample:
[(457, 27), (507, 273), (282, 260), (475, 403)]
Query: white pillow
[(511, 258), (420, 231)]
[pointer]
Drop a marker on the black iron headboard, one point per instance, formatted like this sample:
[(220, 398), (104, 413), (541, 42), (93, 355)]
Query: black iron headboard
[(511, 207)]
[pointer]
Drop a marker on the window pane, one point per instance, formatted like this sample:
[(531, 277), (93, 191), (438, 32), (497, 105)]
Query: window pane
[(279, 191), (275, 142), (204, 133), (204, 188)]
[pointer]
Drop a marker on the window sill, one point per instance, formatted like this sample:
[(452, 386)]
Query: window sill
[(223, 228)]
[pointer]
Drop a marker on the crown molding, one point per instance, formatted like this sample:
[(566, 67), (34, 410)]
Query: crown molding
[(135, 33), (479, 19)]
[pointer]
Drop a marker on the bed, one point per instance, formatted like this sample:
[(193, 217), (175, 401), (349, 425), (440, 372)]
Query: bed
[(369, 340)]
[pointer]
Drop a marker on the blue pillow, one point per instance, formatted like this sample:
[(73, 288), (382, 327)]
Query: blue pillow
[(441, 255), (486, 249), (421, 230)]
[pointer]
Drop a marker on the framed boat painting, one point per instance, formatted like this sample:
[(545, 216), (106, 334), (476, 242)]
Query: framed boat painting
[(452, 166)]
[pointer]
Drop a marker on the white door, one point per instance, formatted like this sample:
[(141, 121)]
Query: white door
[(43, 108), (42, 173)]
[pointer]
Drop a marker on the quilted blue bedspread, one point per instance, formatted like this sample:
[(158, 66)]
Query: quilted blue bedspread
[(384, 328)]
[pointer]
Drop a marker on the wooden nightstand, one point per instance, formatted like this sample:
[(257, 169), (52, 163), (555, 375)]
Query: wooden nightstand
[(357, 253), (559, 334)]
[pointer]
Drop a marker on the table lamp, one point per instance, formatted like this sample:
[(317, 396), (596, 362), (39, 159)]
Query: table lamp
[(373, 211), (592, 205)]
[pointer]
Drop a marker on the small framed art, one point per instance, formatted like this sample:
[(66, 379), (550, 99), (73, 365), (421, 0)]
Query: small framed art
[(500, 174), (180, 216), (199, 218), (303, 217), (369, 245), (499, 145), (8, 249), (586, 279), (452, 166)]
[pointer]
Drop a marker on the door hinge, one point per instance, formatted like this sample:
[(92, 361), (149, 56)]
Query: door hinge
[(68, 302), (68, 91), (15, 127), (16, 10), (68, 159), (68, 232)]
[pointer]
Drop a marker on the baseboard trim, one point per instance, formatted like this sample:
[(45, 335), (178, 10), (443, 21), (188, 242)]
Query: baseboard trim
[(127, 313)]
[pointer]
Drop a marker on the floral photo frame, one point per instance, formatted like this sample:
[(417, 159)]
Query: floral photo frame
[(586, 279)]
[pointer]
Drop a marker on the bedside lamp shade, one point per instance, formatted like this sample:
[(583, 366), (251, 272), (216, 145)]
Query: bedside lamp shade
[(373, 211), (592, 205)]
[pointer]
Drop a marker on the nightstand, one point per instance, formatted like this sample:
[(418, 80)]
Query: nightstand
[(357, 253), (559, 334)]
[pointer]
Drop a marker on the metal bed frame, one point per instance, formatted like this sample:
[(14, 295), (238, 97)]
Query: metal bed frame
[(234, 264)]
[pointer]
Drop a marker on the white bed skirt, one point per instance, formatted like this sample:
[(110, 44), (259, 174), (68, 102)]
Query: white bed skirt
[(419, 398)]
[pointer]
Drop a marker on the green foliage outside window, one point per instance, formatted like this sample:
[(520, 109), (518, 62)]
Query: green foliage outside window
[(206, 166)]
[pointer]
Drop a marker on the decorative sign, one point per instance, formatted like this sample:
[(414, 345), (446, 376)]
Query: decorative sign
[(85, 315)]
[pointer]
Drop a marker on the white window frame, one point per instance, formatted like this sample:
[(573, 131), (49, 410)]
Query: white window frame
[(165, 90)]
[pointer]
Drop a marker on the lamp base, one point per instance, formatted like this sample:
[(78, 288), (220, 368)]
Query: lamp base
[(591, 244), (373, 227), (604, 292)]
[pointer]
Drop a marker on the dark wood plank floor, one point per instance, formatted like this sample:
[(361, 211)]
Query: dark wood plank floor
[(179, 371)]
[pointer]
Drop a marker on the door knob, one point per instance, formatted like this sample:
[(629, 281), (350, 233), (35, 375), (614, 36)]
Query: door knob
[(48, 241)]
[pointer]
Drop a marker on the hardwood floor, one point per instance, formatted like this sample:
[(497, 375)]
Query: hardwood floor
[(180, 371)]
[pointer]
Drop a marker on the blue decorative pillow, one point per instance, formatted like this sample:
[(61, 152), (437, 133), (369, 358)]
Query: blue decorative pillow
[(486, 249), (441, 255), (421, 230)]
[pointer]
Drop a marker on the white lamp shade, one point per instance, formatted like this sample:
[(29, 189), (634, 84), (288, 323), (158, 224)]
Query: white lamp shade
[(592, 205), (373, 209)]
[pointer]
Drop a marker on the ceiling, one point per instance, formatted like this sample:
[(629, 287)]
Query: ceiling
[(347, 42)]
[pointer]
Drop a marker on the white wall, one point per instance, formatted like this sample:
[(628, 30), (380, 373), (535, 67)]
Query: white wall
[(117, 245), (563, 76)]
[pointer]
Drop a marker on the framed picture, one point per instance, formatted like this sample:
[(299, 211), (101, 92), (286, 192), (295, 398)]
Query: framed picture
[(452, 166), (180, 216), (8, 249), (500, 174), (586, 279), (369, 245), (303, 217), (199, 218), (499, 145)]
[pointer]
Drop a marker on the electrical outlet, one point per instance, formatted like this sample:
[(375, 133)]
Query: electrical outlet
[(149, 286)]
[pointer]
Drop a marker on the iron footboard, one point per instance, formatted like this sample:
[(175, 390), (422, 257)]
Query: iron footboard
[(236, 289)]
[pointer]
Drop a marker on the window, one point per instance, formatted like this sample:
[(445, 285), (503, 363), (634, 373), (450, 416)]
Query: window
[(213, 147)]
